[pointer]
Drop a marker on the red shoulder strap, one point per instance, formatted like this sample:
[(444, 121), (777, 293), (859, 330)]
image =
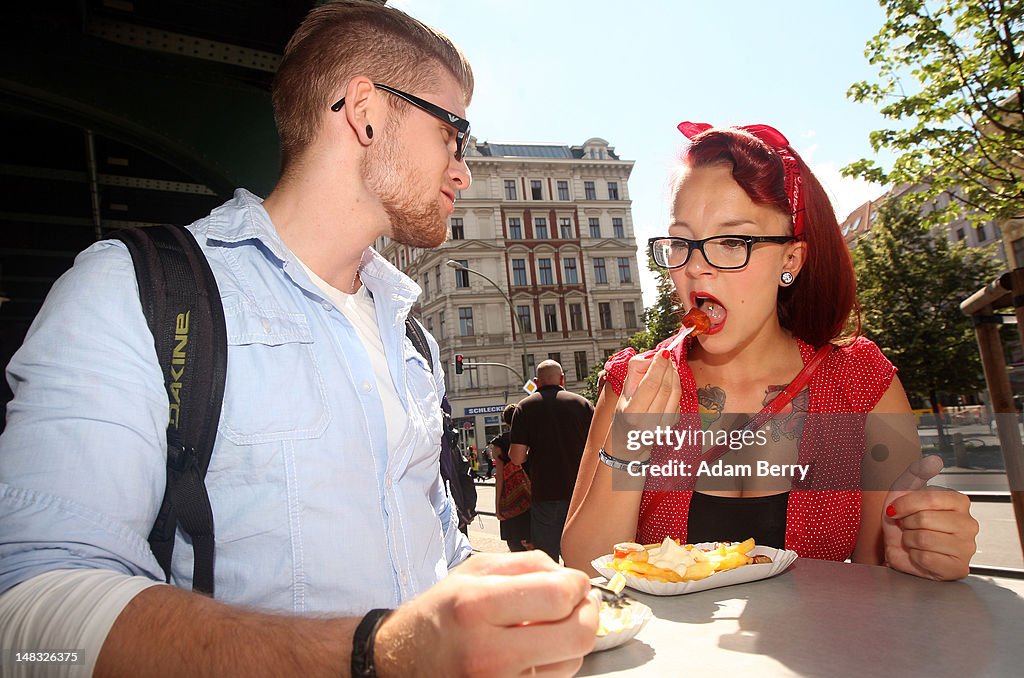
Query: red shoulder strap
[(776, 405), (757, 421)]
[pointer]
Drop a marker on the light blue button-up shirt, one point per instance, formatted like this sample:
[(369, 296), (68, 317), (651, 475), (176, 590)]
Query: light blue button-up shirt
[(313, 512)]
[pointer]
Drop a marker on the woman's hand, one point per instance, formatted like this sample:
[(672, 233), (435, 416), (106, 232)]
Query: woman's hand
[(650, 398), (928, 532)]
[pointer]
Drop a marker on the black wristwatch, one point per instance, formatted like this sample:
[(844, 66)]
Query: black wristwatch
[(362, 643)]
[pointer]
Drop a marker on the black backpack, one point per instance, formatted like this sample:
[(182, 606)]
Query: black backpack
[(182, 305)]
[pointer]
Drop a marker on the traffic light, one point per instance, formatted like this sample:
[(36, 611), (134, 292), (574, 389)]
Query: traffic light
[(458, 363)]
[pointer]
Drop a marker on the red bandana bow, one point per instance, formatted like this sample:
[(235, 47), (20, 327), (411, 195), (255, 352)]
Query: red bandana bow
[(778, 142)]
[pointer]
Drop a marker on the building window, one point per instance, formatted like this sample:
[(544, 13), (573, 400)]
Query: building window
[(546, 275), (557, 357), (613, 190), (589, 191), (569, 272), (430, 323), (582, 367), (462, 277), (529, 366), (625, 275), (550, 318), (604, 314), (440, 320), (1018, 252), (575, 317), (437, 277), (600, 274), (565, 228), (525, 318), (535, 189), (426, 285), (595, 227), (980, 232), (961, 235), (563, 190), (540, 228), (510, 189), (515, 228), (465, 321), (629, 311), (458, 232), (519, 272), (617, 229)]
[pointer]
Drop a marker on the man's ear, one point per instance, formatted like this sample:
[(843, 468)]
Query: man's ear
[(361, 108)]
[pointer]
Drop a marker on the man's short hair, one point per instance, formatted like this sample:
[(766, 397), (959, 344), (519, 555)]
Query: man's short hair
[(347, 38), (549, 372)]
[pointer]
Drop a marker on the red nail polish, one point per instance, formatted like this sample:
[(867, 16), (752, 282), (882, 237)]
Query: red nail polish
[(890, 510), (664, 353)]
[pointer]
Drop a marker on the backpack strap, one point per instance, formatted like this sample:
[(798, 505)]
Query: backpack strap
[(414, 331), (182, 305), (465, 506)]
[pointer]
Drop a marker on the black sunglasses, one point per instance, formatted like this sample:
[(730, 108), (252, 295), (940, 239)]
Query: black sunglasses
[(724, 252), (460, 125)]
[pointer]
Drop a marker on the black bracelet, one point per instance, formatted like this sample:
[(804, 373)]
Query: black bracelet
[(362, 643)]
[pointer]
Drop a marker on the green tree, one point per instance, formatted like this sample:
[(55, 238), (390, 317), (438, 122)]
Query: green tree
[(660, 322), (910, 284), (951, 75), (662, 319)]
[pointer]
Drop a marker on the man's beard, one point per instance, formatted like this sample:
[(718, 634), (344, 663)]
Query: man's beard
[(413, 224)]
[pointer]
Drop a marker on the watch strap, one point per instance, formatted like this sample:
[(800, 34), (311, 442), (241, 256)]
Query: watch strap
[(362, 643)]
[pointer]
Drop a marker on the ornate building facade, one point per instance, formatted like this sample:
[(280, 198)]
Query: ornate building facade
[(544, 265)]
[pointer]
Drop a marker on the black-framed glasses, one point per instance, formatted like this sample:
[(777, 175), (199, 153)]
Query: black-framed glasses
[(724, 252), (460, 125)]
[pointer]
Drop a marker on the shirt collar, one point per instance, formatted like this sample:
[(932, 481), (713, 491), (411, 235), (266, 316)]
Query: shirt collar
[(243, 218)]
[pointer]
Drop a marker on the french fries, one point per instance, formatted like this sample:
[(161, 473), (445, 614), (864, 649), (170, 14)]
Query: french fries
[(672, 562)]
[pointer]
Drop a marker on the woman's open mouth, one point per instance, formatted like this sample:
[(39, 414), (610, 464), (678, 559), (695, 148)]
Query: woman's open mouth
[(714, 309)]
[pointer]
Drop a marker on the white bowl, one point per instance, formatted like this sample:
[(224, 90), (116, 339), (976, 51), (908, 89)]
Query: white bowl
[(639, 614)]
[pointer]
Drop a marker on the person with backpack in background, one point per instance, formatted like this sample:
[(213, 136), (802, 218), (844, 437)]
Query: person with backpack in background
[(337, 547)]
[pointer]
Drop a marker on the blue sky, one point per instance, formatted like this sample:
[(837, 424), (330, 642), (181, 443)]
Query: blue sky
[(562, 71)]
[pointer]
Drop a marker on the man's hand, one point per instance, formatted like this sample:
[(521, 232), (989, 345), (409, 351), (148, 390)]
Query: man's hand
[(928, 532), (494, 615)]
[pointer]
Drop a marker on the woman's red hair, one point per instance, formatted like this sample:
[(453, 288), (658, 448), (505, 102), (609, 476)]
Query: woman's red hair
[(818, 305)]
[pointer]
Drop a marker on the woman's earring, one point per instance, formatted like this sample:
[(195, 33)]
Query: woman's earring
[(787, 278), (369, 132)]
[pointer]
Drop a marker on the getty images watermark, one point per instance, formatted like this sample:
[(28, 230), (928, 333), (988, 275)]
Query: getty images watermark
[(676, 439)]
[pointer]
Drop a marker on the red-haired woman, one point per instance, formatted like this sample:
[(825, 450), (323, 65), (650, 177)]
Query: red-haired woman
[(830, 465)]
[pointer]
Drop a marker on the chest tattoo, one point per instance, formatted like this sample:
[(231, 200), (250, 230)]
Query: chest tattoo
[(788, 423), (711, 402)]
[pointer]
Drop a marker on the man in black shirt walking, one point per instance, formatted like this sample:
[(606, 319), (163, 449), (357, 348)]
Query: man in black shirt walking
[(551, 429)]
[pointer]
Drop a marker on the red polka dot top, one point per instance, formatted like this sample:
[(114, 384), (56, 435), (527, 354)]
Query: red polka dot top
[(823, 512)]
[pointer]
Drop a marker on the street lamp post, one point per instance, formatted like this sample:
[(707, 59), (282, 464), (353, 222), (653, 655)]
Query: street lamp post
[(522, 334)]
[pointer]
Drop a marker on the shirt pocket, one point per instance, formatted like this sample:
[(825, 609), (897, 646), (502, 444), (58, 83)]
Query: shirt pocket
[(275, 388)]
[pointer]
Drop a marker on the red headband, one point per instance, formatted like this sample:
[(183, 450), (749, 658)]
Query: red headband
[(778, 143)]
